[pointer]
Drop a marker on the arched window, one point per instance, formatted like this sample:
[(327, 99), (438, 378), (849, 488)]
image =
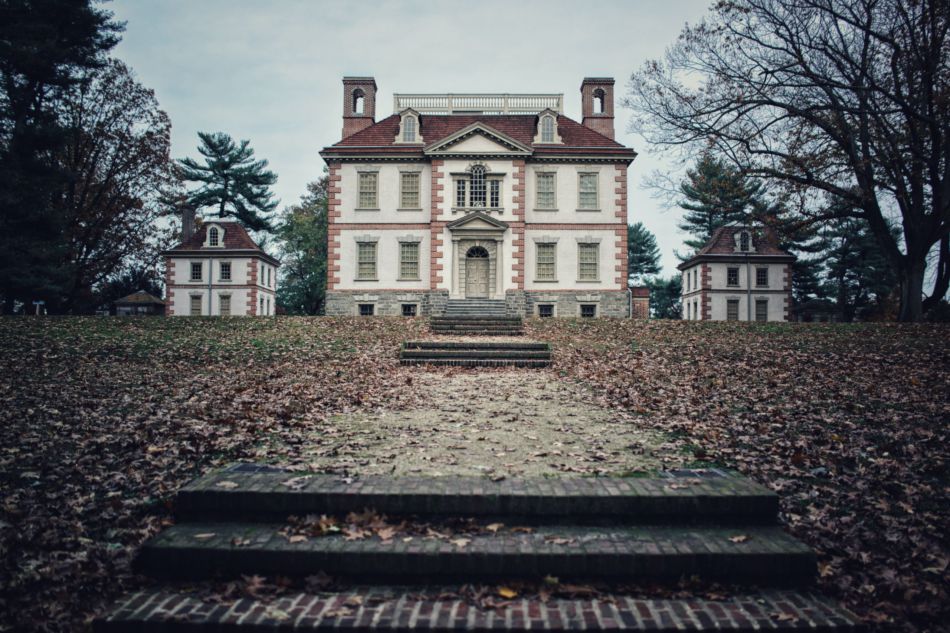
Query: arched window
[(744, 241), (408, 129), (359, 99), (477, 252), (599, 100), (477, 194), (213, 238), (547, 129)]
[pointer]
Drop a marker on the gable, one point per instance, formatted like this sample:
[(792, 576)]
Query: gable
[(478, 139), (477, 221), (477, 144)]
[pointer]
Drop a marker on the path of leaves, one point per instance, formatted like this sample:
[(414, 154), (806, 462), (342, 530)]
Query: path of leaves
[(102, 420)]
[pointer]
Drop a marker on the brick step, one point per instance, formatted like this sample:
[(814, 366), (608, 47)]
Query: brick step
[(395, 610), (249, 492), (472, 354), (764, 556), (476, 362), (520, 345)]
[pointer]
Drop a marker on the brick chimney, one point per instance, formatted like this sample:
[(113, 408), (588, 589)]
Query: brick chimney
[(359, 104), (597, 104)]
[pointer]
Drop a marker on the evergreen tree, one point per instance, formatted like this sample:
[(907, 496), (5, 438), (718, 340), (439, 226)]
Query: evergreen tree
[(643, 255), (46, 46), (232, 182), (666, 297), (858, 275), (715, 194), (302, 232)]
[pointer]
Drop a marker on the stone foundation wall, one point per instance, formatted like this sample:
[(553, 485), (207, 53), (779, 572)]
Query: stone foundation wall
[(568, 304), (385, 302)]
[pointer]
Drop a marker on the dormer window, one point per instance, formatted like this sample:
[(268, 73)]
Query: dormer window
[(547, 129), (214, 238), (409, 131), (744, 241)]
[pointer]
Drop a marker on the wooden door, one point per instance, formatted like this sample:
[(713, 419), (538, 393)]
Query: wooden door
[(476, 278)]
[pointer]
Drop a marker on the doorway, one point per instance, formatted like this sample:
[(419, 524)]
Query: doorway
[(476, 273)]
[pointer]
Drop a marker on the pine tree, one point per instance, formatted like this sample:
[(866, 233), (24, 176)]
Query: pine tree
[(643, 255), (666, 297), (232, 182), (714, 194)]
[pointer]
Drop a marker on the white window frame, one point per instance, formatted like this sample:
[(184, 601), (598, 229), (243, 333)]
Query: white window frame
[(538, 277), (222, 299), (580, 262), (538, 176), (738, 283), (201, 271), (730, 302), (755, 313), (360, 275), (547, 129), (409, 205), (758, 270), (191, 304), (402, 275), (363, 196), (230, 268), (581, 176)]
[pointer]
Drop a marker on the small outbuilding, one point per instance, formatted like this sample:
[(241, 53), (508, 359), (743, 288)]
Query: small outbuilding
[(139, 303)]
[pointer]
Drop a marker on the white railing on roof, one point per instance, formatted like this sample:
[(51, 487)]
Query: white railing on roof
[(501, 103)]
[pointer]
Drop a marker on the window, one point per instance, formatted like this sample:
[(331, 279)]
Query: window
[(600, 98), (687, 281), (588, 310), (224, 305), (196, 271), (366, 260), (367, 309), (267, 305), (409, 190), (743, 241), (588, 262), (409, 260), (762, 277), (213, 236), (587, 191), (460, 193), (260, 310), (268, 276), (695, 280), (359, 99), (225, 271), (696, 311), (732, 276), (732, 309), (494, 193), (547, 129), (408, 129), (544, 266), (368, 183), (477, 194), (545, 310), (195, 307), (409, 309), (761, 309), (546, 198)]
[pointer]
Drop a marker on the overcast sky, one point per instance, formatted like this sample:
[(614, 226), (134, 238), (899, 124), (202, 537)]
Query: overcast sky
[(271, 71)]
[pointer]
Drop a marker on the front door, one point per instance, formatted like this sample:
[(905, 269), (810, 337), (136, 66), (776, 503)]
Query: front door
[(476, 277)]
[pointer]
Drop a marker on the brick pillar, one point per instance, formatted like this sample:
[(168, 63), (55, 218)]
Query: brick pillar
[(705, 297), (252, 283), (333, 228), (620, 212), (169, 289), (787, 287), (518, 253), (437, 226)]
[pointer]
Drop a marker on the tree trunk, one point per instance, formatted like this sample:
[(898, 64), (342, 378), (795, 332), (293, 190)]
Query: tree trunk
[(912, 289), (942, 283)]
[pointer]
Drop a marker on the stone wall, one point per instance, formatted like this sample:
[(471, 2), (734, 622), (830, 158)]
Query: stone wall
[(568, 304)]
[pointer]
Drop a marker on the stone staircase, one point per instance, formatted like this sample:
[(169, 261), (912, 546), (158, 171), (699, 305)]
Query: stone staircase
[(475, 354), (713, 525), (470, 317)]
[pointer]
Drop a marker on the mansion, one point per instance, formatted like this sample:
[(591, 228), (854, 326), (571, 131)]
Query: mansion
[(496, 199)]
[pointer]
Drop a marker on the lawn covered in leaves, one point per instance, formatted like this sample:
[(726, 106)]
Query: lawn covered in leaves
[(103, 419)]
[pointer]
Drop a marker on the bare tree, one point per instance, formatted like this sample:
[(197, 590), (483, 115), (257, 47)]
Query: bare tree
[(849, 98)]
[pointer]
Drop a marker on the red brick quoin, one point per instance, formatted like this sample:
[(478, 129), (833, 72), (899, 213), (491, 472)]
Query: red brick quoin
[(333, 232), (252, 281), (517, 227), (438, 225), (169, 289)]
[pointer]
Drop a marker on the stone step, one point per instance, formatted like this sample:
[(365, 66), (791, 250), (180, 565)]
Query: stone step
[(520, 345), (396, 610), (763, 556), (477, 362), (248, 492), (476, 318), (472, 354), (462, 331)]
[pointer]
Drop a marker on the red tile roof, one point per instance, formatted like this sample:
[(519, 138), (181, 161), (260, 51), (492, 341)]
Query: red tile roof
[(235, 238), (723, 242), (521, 127)]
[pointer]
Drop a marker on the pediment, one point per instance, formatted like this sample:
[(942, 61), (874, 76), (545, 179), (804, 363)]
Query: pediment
[(478, 139), (477, 221)]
